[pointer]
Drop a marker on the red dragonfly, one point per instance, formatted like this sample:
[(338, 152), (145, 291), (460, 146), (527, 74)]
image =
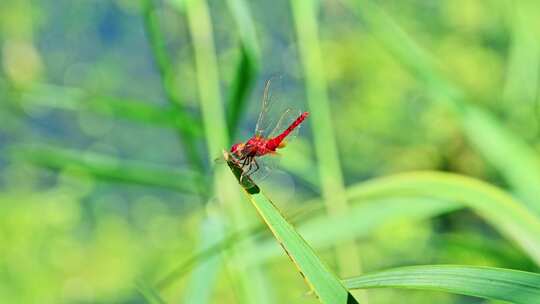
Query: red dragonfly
[(247, 153)]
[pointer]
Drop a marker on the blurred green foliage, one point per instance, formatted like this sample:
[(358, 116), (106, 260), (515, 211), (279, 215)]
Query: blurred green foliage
[(108, 109)]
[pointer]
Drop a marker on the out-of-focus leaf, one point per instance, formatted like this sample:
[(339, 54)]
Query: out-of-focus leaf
[(164, 66), (326, 150), (108, 168), (203, 255), (524, 55), (364, 216), (498, 208), (245, 73), (246, 68), (74, 99), (149, 294), (245, 26), (516, 161), (484, 282), (317, 275), (251, 281), (450, 247), (206, 272), (321, 231), (412, 196)]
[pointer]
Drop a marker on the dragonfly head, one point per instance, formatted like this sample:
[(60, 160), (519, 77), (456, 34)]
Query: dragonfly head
[(237, 149)]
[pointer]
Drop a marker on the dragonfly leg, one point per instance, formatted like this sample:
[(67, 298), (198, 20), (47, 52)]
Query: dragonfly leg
[(249, 170), (252, 168), (247, 162), (256, 166), (244, 162)]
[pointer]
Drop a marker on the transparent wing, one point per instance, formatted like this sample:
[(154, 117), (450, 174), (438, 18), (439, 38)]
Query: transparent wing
[(265, 109), (272, 106), (263, 167), (282, 123), (285, 120)]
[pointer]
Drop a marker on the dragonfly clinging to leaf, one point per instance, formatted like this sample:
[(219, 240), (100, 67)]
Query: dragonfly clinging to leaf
[(248, 154)]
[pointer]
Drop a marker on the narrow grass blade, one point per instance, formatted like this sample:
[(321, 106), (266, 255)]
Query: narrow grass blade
[(150, 295), (245, 26), (329, 167), (226, 243), (451, 247), (206, 272), (317, 275), (485, 282), (516, 161), (248, 65), (75, 99), (108, 168), (498, 208), (244, 77), (213, 116), (322, 231), (164, 66), (364, 217), (414, 58), (412, 196), (524, 55), (250, 281), (200, 257)]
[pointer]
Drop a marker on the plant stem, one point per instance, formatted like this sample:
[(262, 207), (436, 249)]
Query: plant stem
[(164, 66), (109, 168), (200, 26), (247, 67), (333, 190)]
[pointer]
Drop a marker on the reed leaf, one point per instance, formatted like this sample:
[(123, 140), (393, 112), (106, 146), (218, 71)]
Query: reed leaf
[(495, 206), (317, 275), (524, 55), (164, 66), (108, 168), (410, 197), (247, 66), (364, 217), (245, 73), (205, 273), (149, 294), (326, 151), (250, 281), (485, 282), (515, 160), (75, 99)]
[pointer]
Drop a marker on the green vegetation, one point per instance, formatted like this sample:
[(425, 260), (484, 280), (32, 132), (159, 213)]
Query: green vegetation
[(415, 179), (484, 282)]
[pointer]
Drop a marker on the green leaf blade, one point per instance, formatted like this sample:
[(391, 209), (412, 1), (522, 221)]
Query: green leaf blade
[(497, 207), (484, 282), (246, 71), (506, 151), (317, 275), (108, 168)]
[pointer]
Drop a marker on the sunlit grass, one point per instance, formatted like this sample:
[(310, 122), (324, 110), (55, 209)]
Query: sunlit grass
[(76, 231)]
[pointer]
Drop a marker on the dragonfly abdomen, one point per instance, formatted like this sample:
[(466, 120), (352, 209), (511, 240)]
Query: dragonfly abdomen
[(274, 143)]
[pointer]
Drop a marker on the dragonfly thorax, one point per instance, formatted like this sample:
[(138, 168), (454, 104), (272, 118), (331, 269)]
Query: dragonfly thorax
[(255, 146)]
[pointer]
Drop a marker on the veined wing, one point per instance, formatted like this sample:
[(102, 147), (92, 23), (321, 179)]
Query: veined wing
[(285, 120), (272, 107)]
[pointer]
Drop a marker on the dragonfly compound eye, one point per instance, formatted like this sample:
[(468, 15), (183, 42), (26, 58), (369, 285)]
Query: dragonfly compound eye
[(236, 149)]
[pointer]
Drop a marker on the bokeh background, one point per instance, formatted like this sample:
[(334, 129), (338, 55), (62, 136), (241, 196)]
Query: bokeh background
[(107, 139)]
